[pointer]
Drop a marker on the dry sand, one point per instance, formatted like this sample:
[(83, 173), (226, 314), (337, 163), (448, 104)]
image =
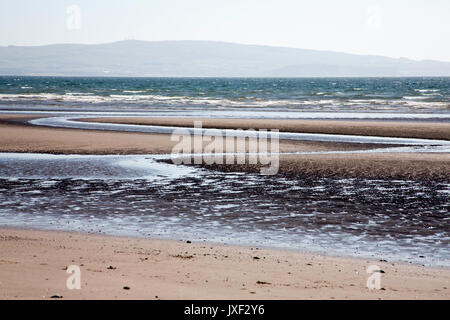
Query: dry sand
[(33, 266)]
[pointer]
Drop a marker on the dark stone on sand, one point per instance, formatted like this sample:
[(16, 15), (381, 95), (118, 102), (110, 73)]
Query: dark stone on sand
[(126, 288)]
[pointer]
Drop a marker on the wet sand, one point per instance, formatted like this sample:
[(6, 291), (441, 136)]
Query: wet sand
[(373, 166), (410, 129), (15, 136), (409, 166), (33, 266)]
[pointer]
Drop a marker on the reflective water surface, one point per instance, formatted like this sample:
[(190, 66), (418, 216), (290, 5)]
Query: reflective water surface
[(139, 196)]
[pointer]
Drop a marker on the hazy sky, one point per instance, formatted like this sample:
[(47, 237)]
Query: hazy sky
[(417, 29)]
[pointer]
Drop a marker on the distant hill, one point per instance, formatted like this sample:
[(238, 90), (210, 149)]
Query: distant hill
[(202, 59)]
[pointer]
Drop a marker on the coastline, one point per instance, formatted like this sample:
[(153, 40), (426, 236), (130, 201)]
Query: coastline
[(33, 266), (32, 262), (17, 136)]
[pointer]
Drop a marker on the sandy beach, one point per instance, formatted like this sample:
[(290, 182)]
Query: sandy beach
[(33, 266), (33, 263), (173, 150), (15, 136)]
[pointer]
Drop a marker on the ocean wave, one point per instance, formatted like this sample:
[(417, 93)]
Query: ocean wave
[(78, 93), (143, 100), (433, 104), (415, 97), (91, 98), (427, 90)]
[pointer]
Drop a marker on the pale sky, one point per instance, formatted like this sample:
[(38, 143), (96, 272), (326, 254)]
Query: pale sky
[(416, 29)]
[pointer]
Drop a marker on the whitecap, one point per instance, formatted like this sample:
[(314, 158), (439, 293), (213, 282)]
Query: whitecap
[(427, 90)]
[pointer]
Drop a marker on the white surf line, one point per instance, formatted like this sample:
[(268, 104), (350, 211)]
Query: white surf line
[(69, 122), (239, 113)]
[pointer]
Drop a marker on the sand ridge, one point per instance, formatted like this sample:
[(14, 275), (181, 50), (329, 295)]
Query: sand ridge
[(17, 137), (402, 129)]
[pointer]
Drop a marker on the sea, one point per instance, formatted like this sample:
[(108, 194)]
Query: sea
[(397, 95)]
